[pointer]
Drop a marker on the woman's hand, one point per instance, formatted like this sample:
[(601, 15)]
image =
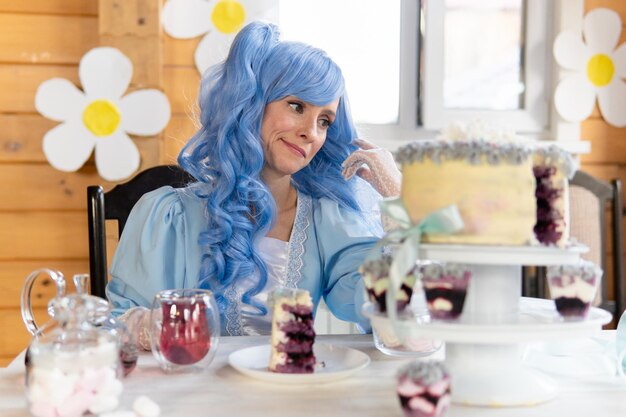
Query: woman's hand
[(376, 166), (137, 320)]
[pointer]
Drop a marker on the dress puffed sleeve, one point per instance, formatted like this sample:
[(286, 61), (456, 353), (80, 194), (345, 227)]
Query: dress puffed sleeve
[(344, 238), (156, 251)]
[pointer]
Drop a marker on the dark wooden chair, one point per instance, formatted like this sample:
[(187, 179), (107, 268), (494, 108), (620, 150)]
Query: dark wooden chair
[(589, 200), (117, 204)]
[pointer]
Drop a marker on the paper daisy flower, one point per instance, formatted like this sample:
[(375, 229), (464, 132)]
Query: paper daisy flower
[(100, 117), (218, 20), (599, 69)]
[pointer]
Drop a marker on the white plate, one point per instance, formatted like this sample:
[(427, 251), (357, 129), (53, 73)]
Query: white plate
[(339, 362)]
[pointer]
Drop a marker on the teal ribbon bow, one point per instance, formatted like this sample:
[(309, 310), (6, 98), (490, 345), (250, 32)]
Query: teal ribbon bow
[(408, 236)]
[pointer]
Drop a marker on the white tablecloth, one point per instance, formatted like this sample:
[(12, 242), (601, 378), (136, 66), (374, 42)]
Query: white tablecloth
[(582, 368)]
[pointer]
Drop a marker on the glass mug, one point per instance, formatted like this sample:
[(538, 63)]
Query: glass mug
[(184, 329)]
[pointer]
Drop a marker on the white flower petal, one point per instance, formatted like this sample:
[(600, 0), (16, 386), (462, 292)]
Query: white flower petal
[(185, 19), (58, 99), (68, 146), (602, 28), (612, 103), (145, 112), (212, 49), (117, 156), (619, 60), (570, 52), (574, 98), (105, 73)]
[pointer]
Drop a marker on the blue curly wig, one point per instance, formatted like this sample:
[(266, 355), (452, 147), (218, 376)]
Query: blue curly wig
[(226, 155)]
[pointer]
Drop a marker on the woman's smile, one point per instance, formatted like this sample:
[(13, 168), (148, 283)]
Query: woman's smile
[(295, 149)]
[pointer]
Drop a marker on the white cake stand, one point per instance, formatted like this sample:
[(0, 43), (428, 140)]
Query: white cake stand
[(485, 346)]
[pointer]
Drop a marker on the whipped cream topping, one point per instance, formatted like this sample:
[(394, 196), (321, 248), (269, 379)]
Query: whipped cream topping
[(474, 152), (456, 274), (584, 270), (424, 372), (553, 155)]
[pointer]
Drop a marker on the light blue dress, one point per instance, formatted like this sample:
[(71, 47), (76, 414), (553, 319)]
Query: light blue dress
[(159, 250)]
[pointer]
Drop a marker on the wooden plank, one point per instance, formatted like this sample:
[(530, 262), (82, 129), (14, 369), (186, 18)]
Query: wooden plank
[(129, 17), (14, 273), (179, 52), (146, 56), (618, 6), (41, 187), (22, 134), (43, 235), (46, 39), (65, 7), (11, 324), (19, 84), (178, 132), (608, 143), (133, 26), (181, 85)]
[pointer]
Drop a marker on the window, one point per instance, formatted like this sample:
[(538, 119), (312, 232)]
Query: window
[(412, 67)]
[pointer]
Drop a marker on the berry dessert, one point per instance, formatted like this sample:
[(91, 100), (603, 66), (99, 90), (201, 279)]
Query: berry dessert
[(445, 287), (376, 278), (424, 389), (292, 332), (573, 288)]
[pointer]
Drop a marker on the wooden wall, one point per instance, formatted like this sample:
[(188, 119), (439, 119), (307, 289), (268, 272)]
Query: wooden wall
[(607, 159), (42, 211)]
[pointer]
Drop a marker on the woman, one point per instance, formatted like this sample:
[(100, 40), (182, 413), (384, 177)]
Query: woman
[(270, 207)]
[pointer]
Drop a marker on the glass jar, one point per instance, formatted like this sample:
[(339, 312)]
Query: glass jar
[(73, 367)]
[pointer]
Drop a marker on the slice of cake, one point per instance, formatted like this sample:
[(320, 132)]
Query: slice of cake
[(376, 278), (573, 288), (424, 389), (552, 168), (292, 332), (445, 286)]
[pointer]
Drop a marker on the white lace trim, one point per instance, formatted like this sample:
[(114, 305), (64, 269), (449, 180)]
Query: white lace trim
[(293, 273), (296, 241)]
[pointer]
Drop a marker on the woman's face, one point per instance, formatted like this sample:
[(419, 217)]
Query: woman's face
[(292, 132)]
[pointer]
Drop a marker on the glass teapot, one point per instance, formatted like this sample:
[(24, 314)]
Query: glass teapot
[(75, 362)]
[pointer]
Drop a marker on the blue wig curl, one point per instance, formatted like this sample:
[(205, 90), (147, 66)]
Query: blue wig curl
[(226, 155)]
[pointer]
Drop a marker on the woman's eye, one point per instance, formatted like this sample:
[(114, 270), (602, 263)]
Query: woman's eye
[(297, 107), (325, 123)]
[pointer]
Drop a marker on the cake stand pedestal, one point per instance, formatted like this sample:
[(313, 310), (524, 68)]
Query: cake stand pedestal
[(485, 345)]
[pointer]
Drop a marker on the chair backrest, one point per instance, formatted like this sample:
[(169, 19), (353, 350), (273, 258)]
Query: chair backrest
[(117, 204), (589, 198)]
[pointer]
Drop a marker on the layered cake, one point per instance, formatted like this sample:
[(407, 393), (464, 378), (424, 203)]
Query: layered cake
[(573, 287), (292, 332), (424, 389), (445, 287), (376, 278), (551, 170), (508, 192)]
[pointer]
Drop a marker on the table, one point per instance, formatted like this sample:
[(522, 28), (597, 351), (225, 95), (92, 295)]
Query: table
[(222, 391)]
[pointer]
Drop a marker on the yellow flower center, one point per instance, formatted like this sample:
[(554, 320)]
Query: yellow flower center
[(101, 117), (600, 70), (228, 16)]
